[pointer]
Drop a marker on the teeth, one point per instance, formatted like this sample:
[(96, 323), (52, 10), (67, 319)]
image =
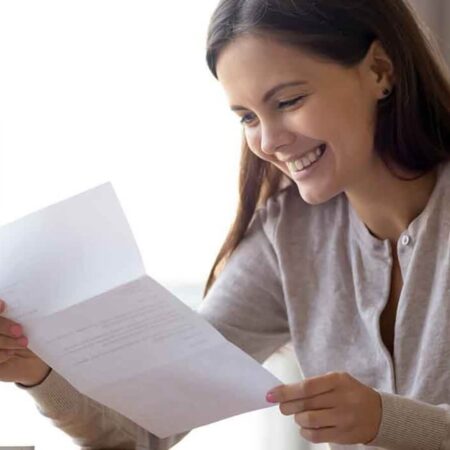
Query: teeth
[(307, 160)]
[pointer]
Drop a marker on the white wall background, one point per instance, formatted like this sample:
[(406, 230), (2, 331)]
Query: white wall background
[(436, 16), (94, 91)]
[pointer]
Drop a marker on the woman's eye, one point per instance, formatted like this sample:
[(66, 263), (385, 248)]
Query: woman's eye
[(246, 119), (290, 102)]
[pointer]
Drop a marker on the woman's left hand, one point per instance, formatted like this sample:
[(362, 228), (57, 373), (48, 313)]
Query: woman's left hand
[(333, 408)]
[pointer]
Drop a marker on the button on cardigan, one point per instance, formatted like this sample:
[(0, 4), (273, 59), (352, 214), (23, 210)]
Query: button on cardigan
[(316, 276)]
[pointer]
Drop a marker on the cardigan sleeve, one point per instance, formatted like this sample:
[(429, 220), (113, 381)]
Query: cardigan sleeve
[(90, 424), (245, 304), (410, 424)]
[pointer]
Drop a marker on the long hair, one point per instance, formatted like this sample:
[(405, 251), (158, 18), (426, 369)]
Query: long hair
[(412, 124)]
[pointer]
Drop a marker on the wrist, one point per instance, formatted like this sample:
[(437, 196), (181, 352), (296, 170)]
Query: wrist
[(30, 384)]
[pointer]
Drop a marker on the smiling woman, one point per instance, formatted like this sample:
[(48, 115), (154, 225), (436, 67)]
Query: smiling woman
[(340, 242), (280, 130), (346, 99), (349, 104)]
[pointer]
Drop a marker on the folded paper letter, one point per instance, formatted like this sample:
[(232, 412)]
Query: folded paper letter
[(72, 275)]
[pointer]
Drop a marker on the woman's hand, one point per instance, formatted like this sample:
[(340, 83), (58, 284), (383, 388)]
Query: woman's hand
[(17, 363), (333, 408)]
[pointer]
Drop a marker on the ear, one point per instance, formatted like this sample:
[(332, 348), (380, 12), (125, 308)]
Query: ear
[(381, 68)]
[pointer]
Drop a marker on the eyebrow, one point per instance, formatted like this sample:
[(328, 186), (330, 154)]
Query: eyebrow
[(271, 92)]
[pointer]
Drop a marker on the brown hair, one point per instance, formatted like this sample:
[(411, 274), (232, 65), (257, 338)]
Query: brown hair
[(413, 123)]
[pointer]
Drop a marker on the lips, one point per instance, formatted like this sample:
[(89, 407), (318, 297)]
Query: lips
[(304, 161), (305, 153)]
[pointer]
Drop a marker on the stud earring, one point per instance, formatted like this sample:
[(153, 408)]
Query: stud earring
[(386, 92)]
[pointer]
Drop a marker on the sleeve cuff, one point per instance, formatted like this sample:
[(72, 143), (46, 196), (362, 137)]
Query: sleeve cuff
[(409, 424), (28, 386), (54, 395)]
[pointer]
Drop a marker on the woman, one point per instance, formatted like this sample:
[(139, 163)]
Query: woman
[(340, 243)]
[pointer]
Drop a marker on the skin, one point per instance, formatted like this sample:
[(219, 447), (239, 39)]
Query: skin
[(334, 407), (339, 108), (17, 363)]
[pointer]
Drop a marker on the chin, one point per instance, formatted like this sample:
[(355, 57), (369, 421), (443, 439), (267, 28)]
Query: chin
[(316, 196)]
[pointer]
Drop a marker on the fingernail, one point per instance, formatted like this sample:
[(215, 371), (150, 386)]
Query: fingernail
[(15, 330), (270, 397)]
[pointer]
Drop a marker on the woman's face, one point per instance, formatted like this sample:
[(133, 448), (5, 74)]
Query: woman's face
[(321, 103)]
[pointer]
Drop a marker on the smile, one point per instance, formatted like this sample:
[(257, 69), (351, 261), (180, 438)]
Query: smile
[(308, 160)]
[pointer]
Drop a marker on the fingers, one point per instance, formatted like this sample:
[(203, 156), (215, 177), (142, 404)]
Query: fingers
[(314, 413), (324, 401), (5, 355), (11, 336), (321, 435), (310, 387), (7, 326), (7, 343), (321, 418)]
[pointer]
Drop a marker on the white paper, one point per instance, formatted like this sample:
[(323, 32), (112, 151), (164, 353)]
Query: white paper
[(72, 275)]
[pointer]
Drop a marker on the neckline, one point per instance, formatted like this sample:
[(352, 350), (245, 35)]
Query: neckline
[(363, 233)]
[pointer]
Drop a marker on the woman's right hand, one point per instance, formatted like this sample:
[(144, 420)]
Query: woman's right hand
[(18, 364)]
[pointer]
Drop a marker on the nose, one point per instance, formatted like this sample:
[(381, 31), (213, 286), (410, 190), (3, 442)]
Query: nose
[(273, 136)]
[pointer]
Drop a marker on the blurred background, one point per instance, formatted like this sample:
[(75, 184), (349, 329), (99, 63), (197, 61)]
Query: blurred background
[(95, 91)]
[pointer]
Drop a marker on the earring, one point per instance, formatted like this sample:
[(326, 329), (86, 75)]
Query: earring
[(386, 92)]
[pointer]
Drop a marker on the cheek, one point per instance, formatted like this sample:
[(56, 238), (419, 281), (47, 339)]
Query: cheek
[(351, 130), (253, 144), (253, 141), (358, 115)]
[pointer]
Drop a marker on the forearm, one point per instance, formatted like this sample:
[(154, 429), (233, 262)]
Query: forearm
[(91, 424)]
